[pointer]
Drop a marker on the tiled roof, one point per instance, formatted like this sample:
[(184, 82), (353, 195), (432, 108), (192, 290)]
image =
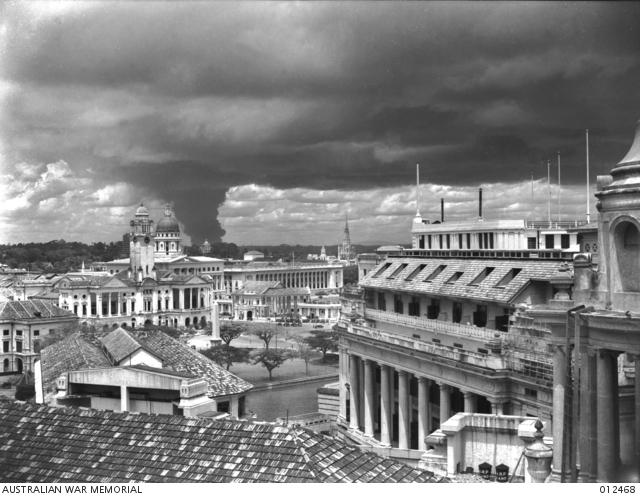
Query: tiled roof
[(70, 354), (119, 344), (84, 351), (486, 290), (182, 358), (32, 309), (46, 444)]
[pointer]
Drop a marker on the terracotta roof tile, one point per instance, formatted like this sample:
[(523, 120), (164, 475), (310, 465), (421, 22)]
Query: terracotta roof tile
[(46, 444)]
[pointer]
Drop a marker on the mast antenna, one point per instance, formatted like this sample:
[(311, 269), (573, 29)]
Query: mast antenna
[(587, 147), (417, 190), (559, 187), (549, 191)]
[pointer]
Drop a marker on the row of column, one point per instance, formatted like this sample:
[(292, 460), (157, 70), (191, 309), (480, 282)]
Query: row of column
[(590, 442), (363, 402), (302, 279), (188, 298)]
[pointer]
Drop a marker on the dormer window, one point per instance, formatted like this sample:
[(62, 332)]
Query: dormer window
[(455, 277), (435, 273), (482, 275)]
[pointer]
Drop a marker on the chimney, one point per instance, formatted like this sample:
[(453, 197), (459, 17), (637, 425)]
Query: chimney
[(442, 210), (480, 203)]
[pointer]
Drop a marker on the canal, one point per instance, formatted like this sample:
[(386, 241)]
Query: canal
[(274, 403)]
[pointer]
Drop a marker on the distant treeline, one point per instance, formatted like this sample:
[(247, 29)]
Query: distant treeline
[(62, 256)]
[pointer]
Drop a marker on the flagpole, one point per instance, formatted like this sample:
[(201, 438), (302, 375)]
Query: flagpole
[(549, 191), (587, 147), (559, 188)]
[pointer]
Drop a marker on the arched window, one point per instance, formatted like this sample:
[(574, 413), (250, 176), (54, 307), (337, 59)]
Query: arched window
[(627, 246)]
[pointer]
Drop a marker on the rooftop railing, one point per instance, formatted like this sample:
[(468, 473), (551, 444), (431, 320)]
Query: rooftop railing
[(558, 225), (495, 362), (434, 325)]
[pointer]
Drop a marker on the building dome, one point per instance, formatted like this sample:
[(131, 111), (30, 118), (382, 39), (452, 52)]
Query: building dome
[(169, 223), (142, 211)]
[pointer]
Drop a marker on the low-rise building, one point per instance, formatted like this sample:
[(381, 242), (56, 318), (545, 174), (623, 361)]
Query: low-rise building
[(25, 324), (137, 370)]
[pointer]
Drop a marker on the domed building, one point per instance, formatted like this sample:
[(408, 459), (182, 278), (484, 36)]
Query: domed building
[(168, 238)]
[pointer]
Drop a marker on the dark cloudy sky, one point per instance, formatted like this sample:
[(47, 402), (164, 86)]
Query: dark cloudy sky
[(268, 122)]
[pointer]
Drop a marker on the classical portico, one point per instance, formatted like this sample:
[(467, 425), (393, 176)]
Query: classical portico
[(387, 405)]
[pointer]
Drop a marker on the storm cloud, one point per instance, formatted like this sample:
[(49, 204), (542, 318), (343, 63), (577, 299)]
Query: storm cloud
[(183, 102)]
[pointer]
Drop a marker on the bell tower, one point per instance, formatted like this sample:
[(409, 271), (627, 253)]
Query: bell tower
[(141, 245)]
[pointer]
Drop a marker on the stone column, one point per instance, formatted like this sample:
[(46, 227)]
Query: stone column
[(385, 405), (559, 387), (343, 365), (181, 298), (497, 408), (99, 305), (587, 432), (423, 412), (154, 301), (445, 403), (109, 304), (637, 407), (470, 402), (361, 393), (606, 397), (369, 380), (124, 398), (404, 428), (354, 394)]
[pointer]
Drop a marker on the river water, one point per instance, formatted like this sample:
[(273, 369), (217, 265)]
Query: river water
[(297, 399)]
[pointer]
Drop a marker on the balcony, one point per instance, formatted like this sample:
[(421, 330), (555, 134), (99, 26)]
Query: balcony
[(488, 361), (435, 326)]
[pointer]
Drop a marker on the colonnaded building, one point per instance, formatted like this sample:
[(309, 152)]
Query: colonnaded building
[(512, 318), (159, 285)]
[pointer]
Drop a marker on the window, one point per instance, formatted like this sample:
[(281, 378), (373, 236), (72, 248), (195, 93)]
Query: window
[(36, 333), (455, 277), (416, 272), (382, 270), (36, 346), (382, 302), (458, 345), (482, 275), (548, 241), (506, 279), (5, 346), (435, 273), (398, 305), (414, 306), (532, 243), (18, 345), (433, 310), (456, 312), (5, 332), (421, 242), (397, 271), (530, 392), (564, 241), (19, 333)]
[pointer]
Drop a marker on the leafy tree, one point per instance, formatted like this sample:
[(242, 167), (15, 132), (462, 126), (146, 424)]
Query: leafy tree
[(304, 352), (324, 341), (265, 334), (231, 331), (270, 359), (226, 355)]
